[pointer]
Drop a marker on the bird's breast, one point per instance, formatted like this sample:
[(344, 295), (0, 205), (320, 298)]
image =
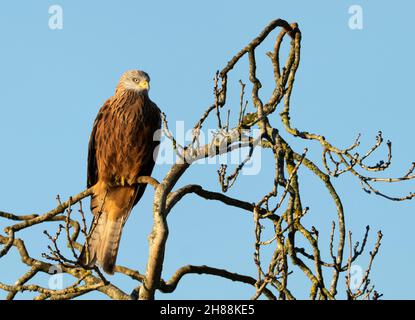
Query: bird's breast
[(128, 143)]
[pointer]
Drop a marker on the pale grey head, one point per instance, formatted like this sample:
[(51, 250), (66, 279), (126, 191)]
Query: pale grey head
[(135, 80)]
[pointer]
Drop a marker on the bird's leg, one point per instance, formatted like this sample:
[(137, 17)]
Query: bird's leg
[(120, 182)]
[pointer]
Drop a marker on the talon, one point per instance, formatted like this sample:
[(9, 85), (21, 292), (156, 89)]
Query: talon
[(122, 181)]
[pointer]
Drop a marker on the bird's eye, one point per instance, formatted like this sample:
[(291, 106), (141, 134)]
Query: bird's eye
[(135, 79)]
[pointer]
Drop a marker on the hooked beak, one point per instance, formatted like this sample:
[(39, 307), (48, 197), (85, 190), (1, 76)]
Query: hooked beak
[(143, 84)]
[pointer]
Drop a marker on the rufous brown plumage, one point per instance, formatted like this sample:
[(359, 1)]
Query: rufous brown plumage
[(122, 147)]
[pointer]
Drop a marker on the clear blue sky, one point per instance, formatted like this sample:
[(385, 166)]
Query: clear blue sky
[(54, 81)]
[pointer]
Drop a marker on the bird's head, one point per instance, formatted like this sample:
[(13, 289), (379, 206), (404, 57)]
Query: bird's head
[(135, 80)]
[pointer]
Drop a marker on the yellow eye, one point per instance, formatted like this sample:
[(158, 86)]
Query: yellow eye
[(135, 80)]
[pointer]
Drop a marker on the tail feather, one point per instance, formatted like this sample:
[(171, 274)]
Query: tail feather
[(108, 249), (103, 243), (111, 207)]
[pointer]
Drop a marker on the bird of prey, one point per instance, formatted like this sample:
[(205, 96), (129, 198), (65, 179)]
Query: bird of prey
[(122, 147)]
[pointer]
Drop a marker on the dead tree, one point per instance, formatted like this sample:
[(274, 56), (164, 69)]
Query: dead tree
[(282, 206)]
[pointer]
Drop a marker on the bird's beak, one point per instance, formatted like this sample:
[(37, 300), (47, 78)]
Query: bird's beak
[(143, 84)]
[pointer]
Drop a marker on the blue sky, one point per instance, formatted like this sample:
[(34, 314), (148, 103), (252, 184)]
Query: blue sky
[(350, 81)]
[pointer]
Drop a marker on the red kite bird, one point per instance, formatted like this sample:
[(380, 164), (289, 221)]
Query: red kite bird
[(122, 148)]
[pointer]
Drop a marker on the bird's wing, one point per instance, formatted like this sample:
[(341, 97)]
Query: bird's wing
[(92, 171), (152, 124)]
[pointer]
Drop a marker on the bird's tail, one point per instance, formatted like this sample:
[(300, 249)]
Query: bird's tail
[(111, 209), (102, 243)]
